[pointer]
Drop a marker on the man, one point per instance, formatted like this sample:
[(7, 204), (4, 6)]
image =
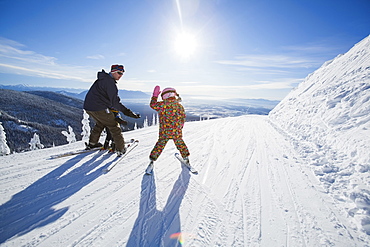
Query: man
[(101, 102)]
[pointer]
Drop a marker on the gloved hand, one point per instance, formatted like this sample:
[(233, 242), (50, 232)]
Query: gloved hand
[(156, 91), (120, 120), (136, 116)]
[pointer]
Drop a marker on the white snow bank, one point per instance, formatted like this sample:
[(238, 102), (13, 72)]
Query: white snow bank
[(328, 115)]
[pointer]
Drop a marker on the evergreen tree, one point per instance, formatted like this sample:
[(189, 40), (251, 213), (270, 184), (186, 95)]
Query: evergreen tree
[(35, 142), (85, 126), (154, 120), (146, 123), (4, 149), (71, 137)]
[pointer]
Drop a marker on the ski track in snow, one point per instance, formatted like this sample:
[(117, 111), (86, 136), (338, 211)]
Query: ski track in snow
[(253, 189)]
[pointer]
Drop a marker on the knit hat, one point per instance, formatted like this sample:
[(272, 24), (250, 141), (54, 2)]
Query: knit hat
[(168, 93), (117, 67)]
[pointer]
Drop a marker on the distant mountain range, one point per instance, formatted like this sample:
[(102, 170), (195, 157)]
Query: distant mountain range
[(75, 93)]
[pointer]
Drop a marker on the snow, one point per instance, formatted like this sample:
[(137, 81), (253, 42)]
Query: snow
[(253, 189), (298, 177), (328, 117)]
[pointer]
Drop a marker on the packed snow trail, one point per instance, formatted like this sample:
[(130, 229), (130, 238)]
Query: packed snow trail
[(253, 189)]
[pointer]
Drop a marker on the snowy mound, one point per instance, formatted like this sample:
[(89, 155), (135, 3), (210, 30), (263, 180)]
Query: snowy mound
[(332, 106), (329, 116)]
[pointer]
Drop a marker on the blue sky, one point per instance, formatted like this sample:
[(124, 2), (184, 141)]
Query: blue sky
[(203, 48)]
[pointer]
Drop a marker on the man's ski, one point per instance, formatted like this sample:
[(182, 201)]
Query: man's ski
[(82, 151), (129, 148), (187, 165)]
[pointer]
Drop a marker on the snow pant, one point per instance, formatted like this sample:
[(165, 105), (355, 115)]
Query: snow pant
[(109, 143), (104, 119), (161, 143)]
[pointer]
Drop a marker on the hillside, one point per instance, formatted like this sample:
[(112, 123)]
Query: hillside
[(44, 113), (253, 189), (328, 119)]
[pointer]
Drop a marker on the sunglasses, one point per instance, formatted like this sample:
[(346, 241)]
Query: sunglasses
[(119, 72)]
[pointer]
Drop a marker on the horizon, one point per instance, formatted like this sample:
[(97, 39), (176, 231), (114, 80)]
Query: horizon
[(216, 49), (188, 100)]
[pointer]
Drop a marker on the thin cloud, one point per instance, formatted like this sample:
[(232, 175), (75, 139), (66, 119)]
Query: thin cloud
[(249, 90), (14, 59), (320, 47), (281, 84), (42, 73), (96, 57), (270, 61), (189, 82)]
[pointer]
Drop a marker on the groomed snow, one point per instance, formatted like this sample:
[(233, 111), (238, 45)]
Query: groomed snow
[(253, 189)]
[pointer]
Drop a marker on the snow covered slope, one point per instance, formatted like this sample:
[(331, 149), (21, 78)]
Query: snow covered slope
[(328, 116), (253, 189)]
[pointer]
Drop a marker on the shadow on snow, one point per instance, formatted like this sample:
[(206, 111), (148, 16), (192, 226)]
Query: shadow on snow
[(153, 227), (33, 207)]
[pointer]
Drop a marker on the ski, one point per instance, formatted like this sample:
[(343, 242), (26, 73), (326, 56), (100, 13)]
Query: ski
[(191, 169), (82, 151), (129, 147)]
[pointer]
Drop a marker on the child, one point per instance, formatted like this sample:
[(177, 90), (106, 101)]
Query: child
[(171, 121)]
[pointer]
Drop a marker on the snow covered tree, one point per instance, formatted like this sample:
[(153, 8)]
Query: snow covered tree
[(71, 137), (135, 126), (85, 126), (4, 149), (35, 142), (146, 123), (154, 121)]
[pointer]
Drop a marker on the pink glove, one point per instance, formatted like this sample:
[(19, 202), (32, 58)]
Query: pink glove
[(156, 91)]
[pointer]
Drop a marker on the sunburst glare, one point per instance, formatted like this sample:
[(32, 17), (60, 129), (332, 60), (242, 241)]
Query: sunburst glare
[(185, 44)]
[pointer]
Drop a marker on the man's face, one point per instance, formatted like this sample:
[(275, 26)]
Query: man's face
[(117, 75)]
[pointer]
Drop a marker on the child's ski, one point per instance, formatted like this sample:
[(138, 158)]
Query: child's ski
[(149, 169), (187, 165)]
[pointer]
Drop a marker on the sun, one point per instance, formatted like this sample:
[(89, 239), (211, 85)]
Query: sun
[(185, 44)]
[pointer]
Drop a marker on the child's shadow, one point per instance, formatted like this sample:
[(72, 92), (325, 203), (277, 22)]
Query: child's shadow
[(153, 227), (33, 207)]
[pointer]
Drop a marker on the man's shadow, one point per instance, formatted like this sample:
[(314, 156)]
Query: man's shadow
[(153, 227), (33, 207)]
